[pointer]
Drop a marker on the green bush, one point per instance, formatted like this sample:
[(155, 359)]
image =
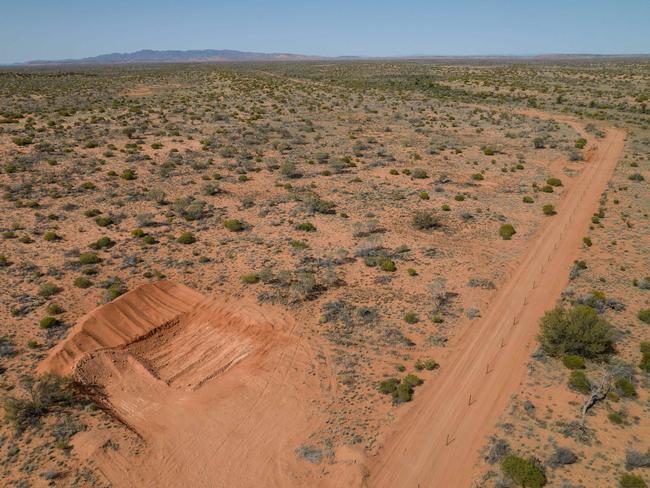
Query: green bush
[(387, 264), (22, 140), (306, 227), (47, 322), (82, 282), (233, 225), (186, 238), (250, 278), (578, 330), (427, 363), (102, 243), (388, 385), (103, 220), (548, 209), (571, 361), (523, 472), (616, 418), (54, 309), (128, 174), (625, 388), (411, 318), (478, 177), (554, 182), (581, 143), (506, 231), (644, 315), (645, 362), (578, 381), (51, 236), (424, 195), (48, 289), (629, 480), (528, 199), (89, 258)]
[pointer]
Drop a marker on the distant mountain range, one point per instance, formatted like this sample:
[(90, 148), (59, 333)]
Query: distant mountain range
[(192, 56), (227, 55)]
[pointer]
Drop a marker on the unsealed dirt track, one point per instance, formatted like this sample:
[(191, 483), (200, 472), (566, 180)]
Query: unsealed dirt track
[(435, 443)]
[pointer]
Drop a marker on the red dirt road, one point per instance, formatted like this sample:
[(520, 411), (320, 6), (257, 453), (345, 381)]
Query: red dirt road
[(435, 444)]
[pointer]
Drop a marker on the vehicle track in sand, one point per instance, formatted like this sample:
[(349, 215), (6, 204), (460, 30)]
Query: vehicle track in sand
[(435, 443)]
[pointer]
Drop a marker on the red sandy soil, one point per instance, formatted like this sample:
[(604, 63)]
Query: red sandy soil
[(435, 443), (218, 389), (222, 391)]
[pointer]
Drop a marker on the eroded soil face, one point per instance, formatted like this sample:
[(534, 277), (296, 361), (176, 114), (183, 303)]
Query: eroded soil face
[(270, 242)]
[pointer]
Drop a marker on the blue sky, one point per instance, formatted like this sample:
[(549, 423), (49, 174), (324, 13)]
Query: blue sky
[(55, 29)]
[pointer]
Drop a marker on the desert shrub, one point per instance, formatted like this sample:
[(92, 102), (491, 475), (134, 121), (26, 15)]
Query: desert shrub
[(645, 362), (424, 195), (424, 220), (104, 220), (616, 418), (289, 169), (113, 289), (478, 177), (233, 225), (636, 459), (419, 174), (411, 272), (401, 391), (625, 388), (644, 315), (445, 207), (54, 309), (636, 177), (82, 282), (427, 363), (578, 330), (523, 472), (47, 322), (128, 174), (578, 381), (538, 143), (562, 456), (250, 278), (186, 238), (387, 264), (548, 209), (48, 289), (644, 347), (315, 204), (89, 258), (528, 199), (506, 231), (459, 197), (571, 361), (629, 480), (44, 394), (587, 241), (51, 236), (102, 243), (554, 182), (306, 227), (388, 385), (581, 142), (411, 318)]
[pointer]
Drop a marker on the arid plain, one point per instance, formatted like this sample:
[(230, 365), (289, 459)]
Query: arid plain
[(373, 274)]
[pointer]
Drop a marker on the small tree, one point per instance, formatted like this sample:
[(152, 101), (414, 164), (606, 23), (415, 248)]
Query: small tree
[(506, 231), (578, 330)]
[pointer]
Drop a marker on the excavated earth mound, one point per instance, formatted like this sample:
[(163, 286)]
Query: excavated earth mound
[(219, 390)]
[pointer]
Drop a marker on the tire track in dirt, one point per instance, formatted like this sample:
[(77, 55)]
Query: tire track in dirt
[(436, 442)]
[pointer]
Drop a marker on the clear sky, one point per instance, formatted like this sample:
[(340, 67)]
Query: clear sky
[(55, 29)]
